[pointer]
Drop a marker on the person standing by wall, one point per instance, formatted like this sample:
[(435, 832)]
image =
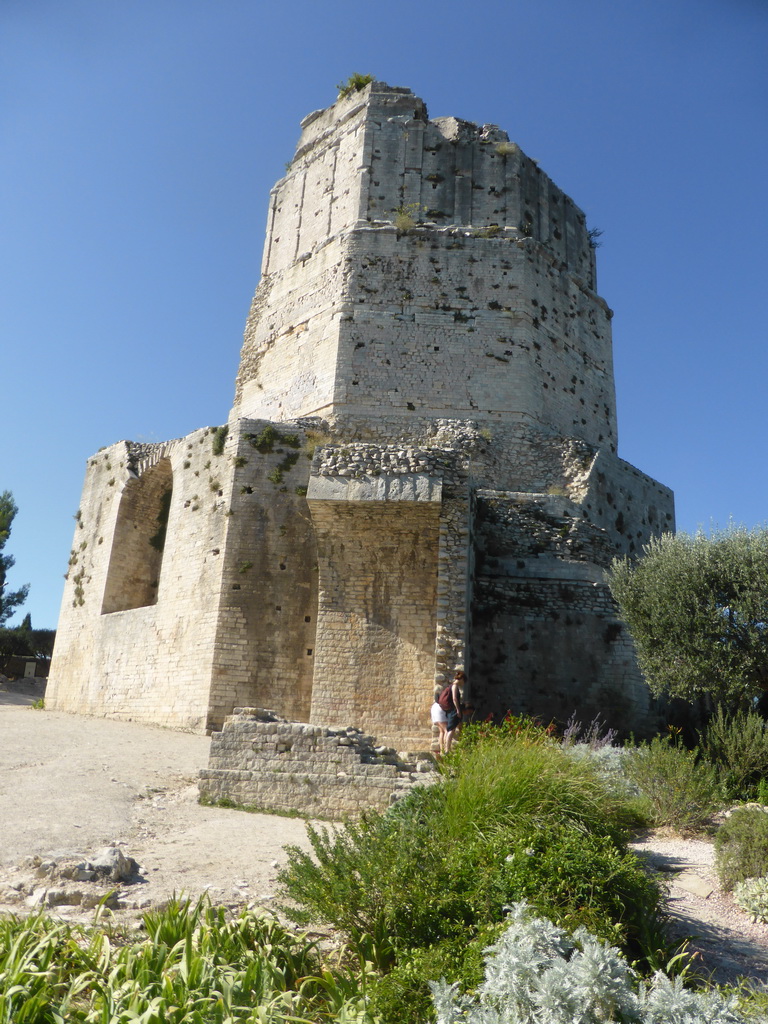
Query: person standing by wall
[(450, 702), (439, 718)]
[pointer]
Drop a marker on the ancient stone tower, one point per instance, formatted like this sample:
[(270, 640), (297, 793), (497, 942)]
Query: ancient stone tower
[(419, 469)]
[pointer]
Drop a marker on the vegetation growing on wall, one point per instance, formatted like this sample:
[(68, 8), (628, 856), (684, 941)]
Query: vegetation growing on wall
[(219, 438), (355, 83), (265, 442), (157, 540)]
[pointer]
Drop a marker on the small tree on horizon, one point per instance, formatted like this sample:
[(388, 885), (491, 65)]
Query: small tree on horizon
[(697, 609), (10, 600), (13, 639)]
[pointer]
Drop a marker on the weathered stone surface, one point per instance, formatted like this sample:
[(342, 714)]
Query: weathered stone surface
[(287, 766), (419, 470), (111, 863)]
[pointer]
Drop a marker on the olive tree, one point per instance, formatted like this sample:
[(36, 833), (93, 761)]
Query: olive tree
[(697, 609)]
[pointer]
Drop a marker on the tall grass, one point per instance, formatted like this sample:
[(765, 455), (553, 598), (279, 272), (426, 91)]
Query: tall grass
[(195, 967), (499, 782)]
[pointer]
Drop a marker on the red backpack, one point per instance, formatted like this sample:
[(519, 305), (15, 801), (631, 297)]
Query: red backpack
[(445, 700)]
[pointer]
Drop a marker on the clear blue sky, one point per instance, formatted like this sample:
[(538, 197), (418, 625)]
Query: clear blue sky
[(139, 140)]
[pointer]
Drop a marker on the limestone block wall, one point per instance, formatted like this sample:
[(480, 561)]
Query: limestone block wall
[(138, 620), (447, 323), (260, 760), (289, 355), (393, 525), (264, 649), (418, 267), (376, 634), (546, 636), (631, 506)]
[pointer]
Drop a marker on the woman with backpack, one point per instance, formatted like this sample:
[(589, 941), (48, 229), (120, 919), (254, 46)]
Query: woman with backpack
[(446, 711)]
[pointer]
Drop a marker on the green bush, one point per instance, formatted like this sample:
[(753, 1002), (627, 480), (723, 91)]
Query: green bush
[(403, 995), (577, 878), (752, 896), (519, 771), (737, 745), (381, 880), (514, 817), (741, 846), (678, 787), (195, 964), (538, 973)]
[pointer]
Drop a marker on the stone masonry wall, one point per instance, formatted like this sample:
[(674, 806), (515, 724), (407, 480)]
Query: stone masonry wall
[(393, 527), (419, 472), (231, 614), (546, 634), (417, 267), (448, 323), (265, 638), (261, 760), (151, 662)]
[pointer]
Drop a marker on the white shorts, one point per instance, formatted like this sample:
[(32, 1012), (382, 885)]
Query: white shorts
[(438, 715)]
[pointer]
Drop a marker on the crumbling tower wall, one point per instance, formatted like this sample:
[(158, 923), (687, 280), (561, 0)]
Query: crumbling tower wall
[(420, 469)]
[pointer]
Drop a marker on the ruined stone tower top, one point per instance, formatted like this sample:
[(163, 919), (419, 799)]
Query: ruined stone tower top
[(419, 269)]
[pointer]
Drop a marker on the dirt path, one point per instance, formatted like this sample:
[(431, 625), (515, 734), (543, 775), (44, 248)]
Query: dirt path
[(727, 942), (71, 785)]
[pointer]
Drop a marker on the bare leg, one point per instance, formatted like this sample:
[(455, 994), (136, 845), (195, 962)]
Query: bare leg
[(442, 737), (451, 736)]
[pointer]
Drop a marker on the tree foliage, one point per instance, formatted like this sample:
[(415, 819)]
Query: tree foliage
[(697, 609), (9, 599), (18, 639)]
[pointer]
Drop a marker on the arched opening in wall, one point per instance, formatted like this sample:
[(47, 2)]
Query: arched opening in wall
[(133, 577)]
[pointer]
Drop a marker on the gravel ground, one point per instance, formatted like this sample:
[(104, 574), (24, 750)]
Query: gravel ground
[(70, 785), (729, 944)]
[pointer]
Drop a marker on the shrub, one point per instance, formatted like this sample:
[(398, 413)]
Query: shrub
[(752, 896), (610, 762), (429, 912), (677, 786), (195, 965), (502, 775), (737, 745), (379, 880), (403, 996), (596, 735), (355, 83), (537, 972), (741, 846), (511, 819)]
